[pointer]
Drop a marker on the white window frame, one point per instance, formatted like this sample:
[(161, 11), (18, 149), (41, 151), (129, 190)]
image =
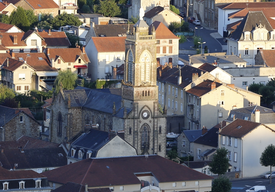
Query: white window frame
[(176, 92), (22, 76), (235, 142), (223, 140), (22, 185), (235, 156), (6, 186), (181, 107), (38, 183), (176, 105), (181, 92), (169, 89)]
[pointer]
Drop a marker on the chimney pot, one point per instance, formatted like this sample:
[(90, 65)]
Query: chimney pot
[(213, 85), (83, 49), (204, 130), (195, 76)]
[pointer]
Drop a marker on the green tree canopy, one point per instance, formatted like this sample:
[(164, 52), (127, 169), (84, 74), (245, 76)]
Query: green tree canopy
[(174, 9), (19, 18), (65, 19), (255, 87), (221, 184), (268, 158), (175, 27), (220, 163), (6, 93), (66, 80), (32, 18), (267, 93), (108, 8)]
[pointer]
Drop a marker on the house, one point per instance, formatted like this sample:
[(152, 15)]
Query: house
[(137, 173), (54, 39), (98, 144), (145, 6), (200, 166), (72, 59), (7, 8), (16, 122), (257, 26), (217, 72), (245, 142), (27, 71), (69, 7), (219, 59), (39, 7), (11, 180), (160, 14), (8, 28), (254, 113), (105, 53), (234, 12)]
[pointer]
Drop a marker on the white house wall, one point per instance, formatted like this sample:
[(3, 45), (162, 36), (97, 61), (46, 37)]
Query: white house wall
[(221, 75), (92, 55)]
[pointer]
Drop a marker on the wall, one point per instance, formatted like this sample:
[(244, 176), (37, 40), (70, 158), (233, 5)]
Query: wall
[(93, 57), (202, 149), (23, 82), (166, 17), (165, 55), (221, 75), (51, 11), (38, 39)]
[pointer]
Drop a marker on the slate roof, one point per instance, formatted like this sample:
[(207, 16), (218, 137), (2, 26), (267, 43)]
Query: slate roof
[(192, 135), (11, 175), (210, 138), (197, 164), (233, 26), (122, 170), (162, 32), (55, 39), (212, 58), (74, 187), (252, 20), (109, 44), (141, 23), (202, 88), (153, 12), (68, 54), (171, 75), (207, 67), (268, 57), (238, 128), (33, 158), (112, 30)]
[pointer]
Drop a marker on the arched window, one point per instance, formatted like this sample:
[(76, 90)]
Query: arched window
[(59, 128), (145, 66), (145, 138), (130, 67)]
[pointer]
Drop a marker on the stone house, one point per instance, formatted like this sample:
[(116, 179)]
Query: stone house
[(7, 8), (245, 142), (149, 172), (17, 122)]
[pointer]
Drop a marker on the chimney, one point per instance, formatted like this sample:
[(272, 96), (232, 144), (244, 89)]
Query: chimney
[(204, 130), (257, 116), (114, 72), (52, 62), (15, 39), (8, 62), (50, 32), (240, 56), (180, 77), (48, 51), (213, 85), (234, 118), (83, 50), (195, 76), (12, 55)]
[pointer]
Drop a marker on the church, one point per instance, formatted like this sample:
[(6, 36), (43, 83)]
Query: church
[(132, 110)]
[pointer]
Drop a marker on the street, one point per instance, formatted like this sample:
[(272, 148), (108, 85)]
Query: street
[(241, 185)]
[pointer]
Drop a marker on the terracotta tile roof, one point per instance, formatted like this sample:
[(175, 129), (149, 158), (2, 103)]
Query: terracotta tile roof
[(162, 32), (112, 30), (207, 67), (238, 128), (268, 57), (5, 27), (8, 175), (2, 6), (8, 39), (26, 110), (42, 4), (3, 57), (153, 12), (68, 54), (202, 88), (12, 65), (246, 5), (58, 38), (122, 170), (109, 44)]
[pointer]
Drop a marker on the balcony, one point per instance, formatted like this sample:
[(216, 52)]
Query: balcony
[(69, 6)]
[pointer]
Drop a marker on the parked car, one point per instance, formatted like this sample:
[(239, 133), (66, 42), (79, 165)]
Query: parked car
[(263, 191), (182, 14), (267, 175), (197, 22), (256, 188), (191, 19), (171, 144)]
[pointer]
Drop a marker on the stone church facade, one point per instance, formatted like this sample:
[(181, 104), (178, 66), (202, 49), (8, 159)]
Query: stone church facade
[(133, 109)]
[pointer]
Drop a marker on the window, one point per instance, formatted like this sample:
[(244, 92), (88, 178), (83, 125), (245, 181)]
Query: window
[(183, 184), (176, 105), (189, 98), (229, 141), (162, 99), (246, 118), (221, 102), (170, 49), (244, 83), (181, 94), (121, 188), (168, 102), (198, 101), (235, 142), (170, 41), (107, 57), (159, 129), (130, 131), (222, 92), (26, 88), (197, 183), (172, 103), (158, 49), (258, 49), (223, 140), (5, 185), (198, 153), (181, 107), (18, 88), (21, 119), (246, 51), (33, 42), (159, 148), (58, 61), (176, 92), (145, 138), (174, 184), (229, 155), (183, 143), (80, 154), (79, 60), (168, 89), (162, 88), (172, 90), (38, 183), (158, 41), (72, 152), (22, 76), (107, 69), (22, 185), (235, 156)]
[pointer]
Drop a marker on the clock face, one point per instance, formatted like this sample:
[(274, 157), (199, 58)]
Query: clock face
[(145, 114)]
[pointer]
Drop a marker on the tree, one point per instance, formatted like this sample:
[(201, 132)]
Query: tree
[(4, 18), (133, 19), (85, 9), (267, 93), (220, 164), (81, 3), (175, 27), (268, 158), (19, 18), (65, 19), (255, 87), (221, 184), (174, 9), (108, 8), (182, 39), (74, 40), (66, 80), (6, 93), (32, 18)]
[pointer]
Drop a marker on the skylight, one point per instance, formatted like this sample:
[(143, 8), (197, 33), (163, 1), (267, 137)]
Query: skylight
[(39, 5), (40, 58), (239, 126), (21, 59)]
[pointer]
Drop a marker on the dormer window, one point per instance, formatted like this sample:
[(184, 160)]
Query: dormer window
[(79, 60), (21, 119), (58, 61), (72, 152), (80, 154), (33, 42), (6, 186), (22, 185), (38, 183), (89, 154), (247, 35)]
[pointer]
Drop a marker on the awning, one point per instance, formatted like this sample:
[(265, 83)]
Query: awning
[(81, 66), (47, 73)]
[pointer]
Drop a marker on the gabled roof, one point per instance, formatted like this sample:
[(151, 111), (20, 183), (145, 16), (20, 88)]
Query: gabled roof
[(122, 171), (207, 67), (55, 39), (112, 30), (14, 175), (73, 187), (252, 20), (162, 32), (210, 58), (239, 128), (233, 26), (4, 27), (68, 54), (8, 39), (41, 4), (153, 12), (246, 5), (203, 88), (210, 138), (268, 57), (12, 64), (109, 44), (192, 135)]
